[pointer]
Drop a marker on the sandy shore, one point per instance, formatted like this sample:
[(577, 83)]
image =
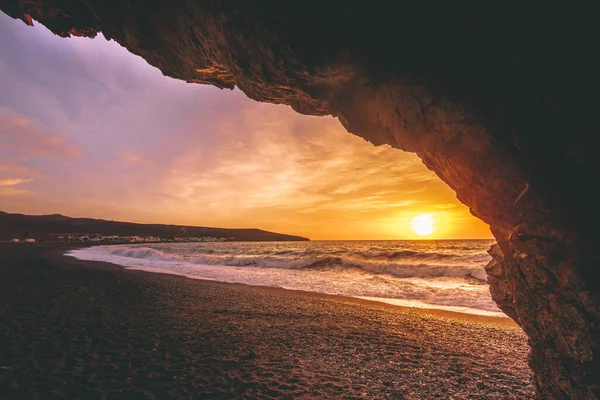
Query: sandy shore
[(80, 329)]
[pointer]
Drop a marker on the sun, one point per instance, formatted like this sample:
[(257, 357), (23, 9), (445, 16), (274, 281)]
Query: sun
[(422, 224)]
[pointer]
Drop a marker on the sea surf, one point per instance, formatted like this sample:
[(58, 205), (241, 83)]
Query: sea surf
[(439, 274)]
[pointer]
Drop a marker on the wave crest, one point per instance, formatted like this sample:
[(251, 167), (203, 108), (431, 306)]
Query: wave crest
[(397, 271), (372, 265)]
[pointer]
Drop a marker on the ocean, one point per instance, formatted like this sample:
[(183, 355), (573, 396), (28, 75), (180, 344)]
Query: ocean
[(441, 274)]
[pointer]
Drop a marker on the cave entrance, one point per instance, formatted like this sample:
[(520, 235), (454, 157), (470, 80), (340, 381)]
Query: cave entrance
[(197, 155), (107, 112), (506, 127)]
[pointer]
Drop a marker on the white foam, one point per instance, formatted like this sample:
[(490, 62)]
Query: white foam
[(452, 293), (420, 304), (401, 268)]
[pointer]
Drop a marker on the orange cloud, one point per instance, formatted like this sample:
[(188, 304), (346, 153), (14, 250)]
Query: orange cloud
[(308, 176), (13, 181), (12, 192)]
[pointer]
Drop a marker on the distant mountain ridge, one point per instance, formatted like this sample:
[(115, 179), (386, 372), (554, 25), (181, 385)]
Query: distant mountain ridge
[(42, 227)]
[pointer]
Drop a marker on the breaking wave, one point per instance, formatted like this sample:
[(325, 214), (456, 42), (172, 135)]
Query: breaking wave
[(445, 274), (375, 264)]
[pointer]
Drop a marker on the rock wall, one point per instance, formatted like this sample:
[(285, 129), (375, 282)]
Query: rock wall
[(501, 106)]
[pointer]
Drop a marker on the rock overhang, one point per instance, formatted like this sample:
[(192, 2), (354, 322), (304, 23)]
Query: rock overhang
[(501, 107)]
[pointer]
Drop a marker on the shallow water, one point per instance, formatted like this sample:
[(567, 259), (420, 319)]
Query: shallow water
[(446, 274)]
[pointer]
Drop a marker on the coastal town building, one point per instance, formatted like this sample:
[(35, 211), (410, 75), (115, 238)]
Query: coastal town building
[(99, 238)]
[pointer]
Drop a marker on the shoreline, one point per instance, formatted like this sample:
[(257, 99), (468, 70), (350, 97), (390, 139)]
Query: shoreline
[(81, 329), (428, 308), (462, 316)]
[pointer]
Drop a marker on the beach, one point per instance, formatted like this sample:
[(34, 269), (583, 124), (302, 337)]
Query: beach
[(85, 329)]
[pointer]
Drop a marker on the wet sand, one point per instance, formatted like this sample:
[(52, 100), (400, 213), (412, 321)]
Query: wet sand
[(81, 329)]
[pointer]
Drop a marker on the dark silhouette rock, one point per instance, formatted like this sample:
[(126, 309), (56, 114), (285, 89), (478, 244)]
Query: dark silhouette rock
[(503, 107)]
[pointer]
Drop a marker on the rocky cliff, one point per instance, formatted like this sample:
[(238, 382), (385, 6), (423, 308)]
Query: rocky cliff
[(500, 103)]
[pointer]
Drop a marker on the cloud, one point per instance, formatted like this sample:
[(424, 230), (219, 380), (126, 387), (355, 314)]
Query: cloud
[(16, 169), (276, 159), (9, 191), (189, 154), (7, 186), (132, 158), (19, 134), (13, 181)]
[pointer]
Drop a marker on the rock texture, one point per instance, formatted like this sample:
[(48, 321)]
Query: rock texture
[(502, 106)]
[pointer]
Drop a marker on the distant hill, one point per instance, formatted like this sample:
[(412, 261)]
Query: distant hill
[(41, 227)]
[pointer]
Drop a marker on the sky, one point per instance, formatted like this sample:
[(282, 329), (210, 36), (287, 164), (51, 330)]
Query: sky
[(89, 130)]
